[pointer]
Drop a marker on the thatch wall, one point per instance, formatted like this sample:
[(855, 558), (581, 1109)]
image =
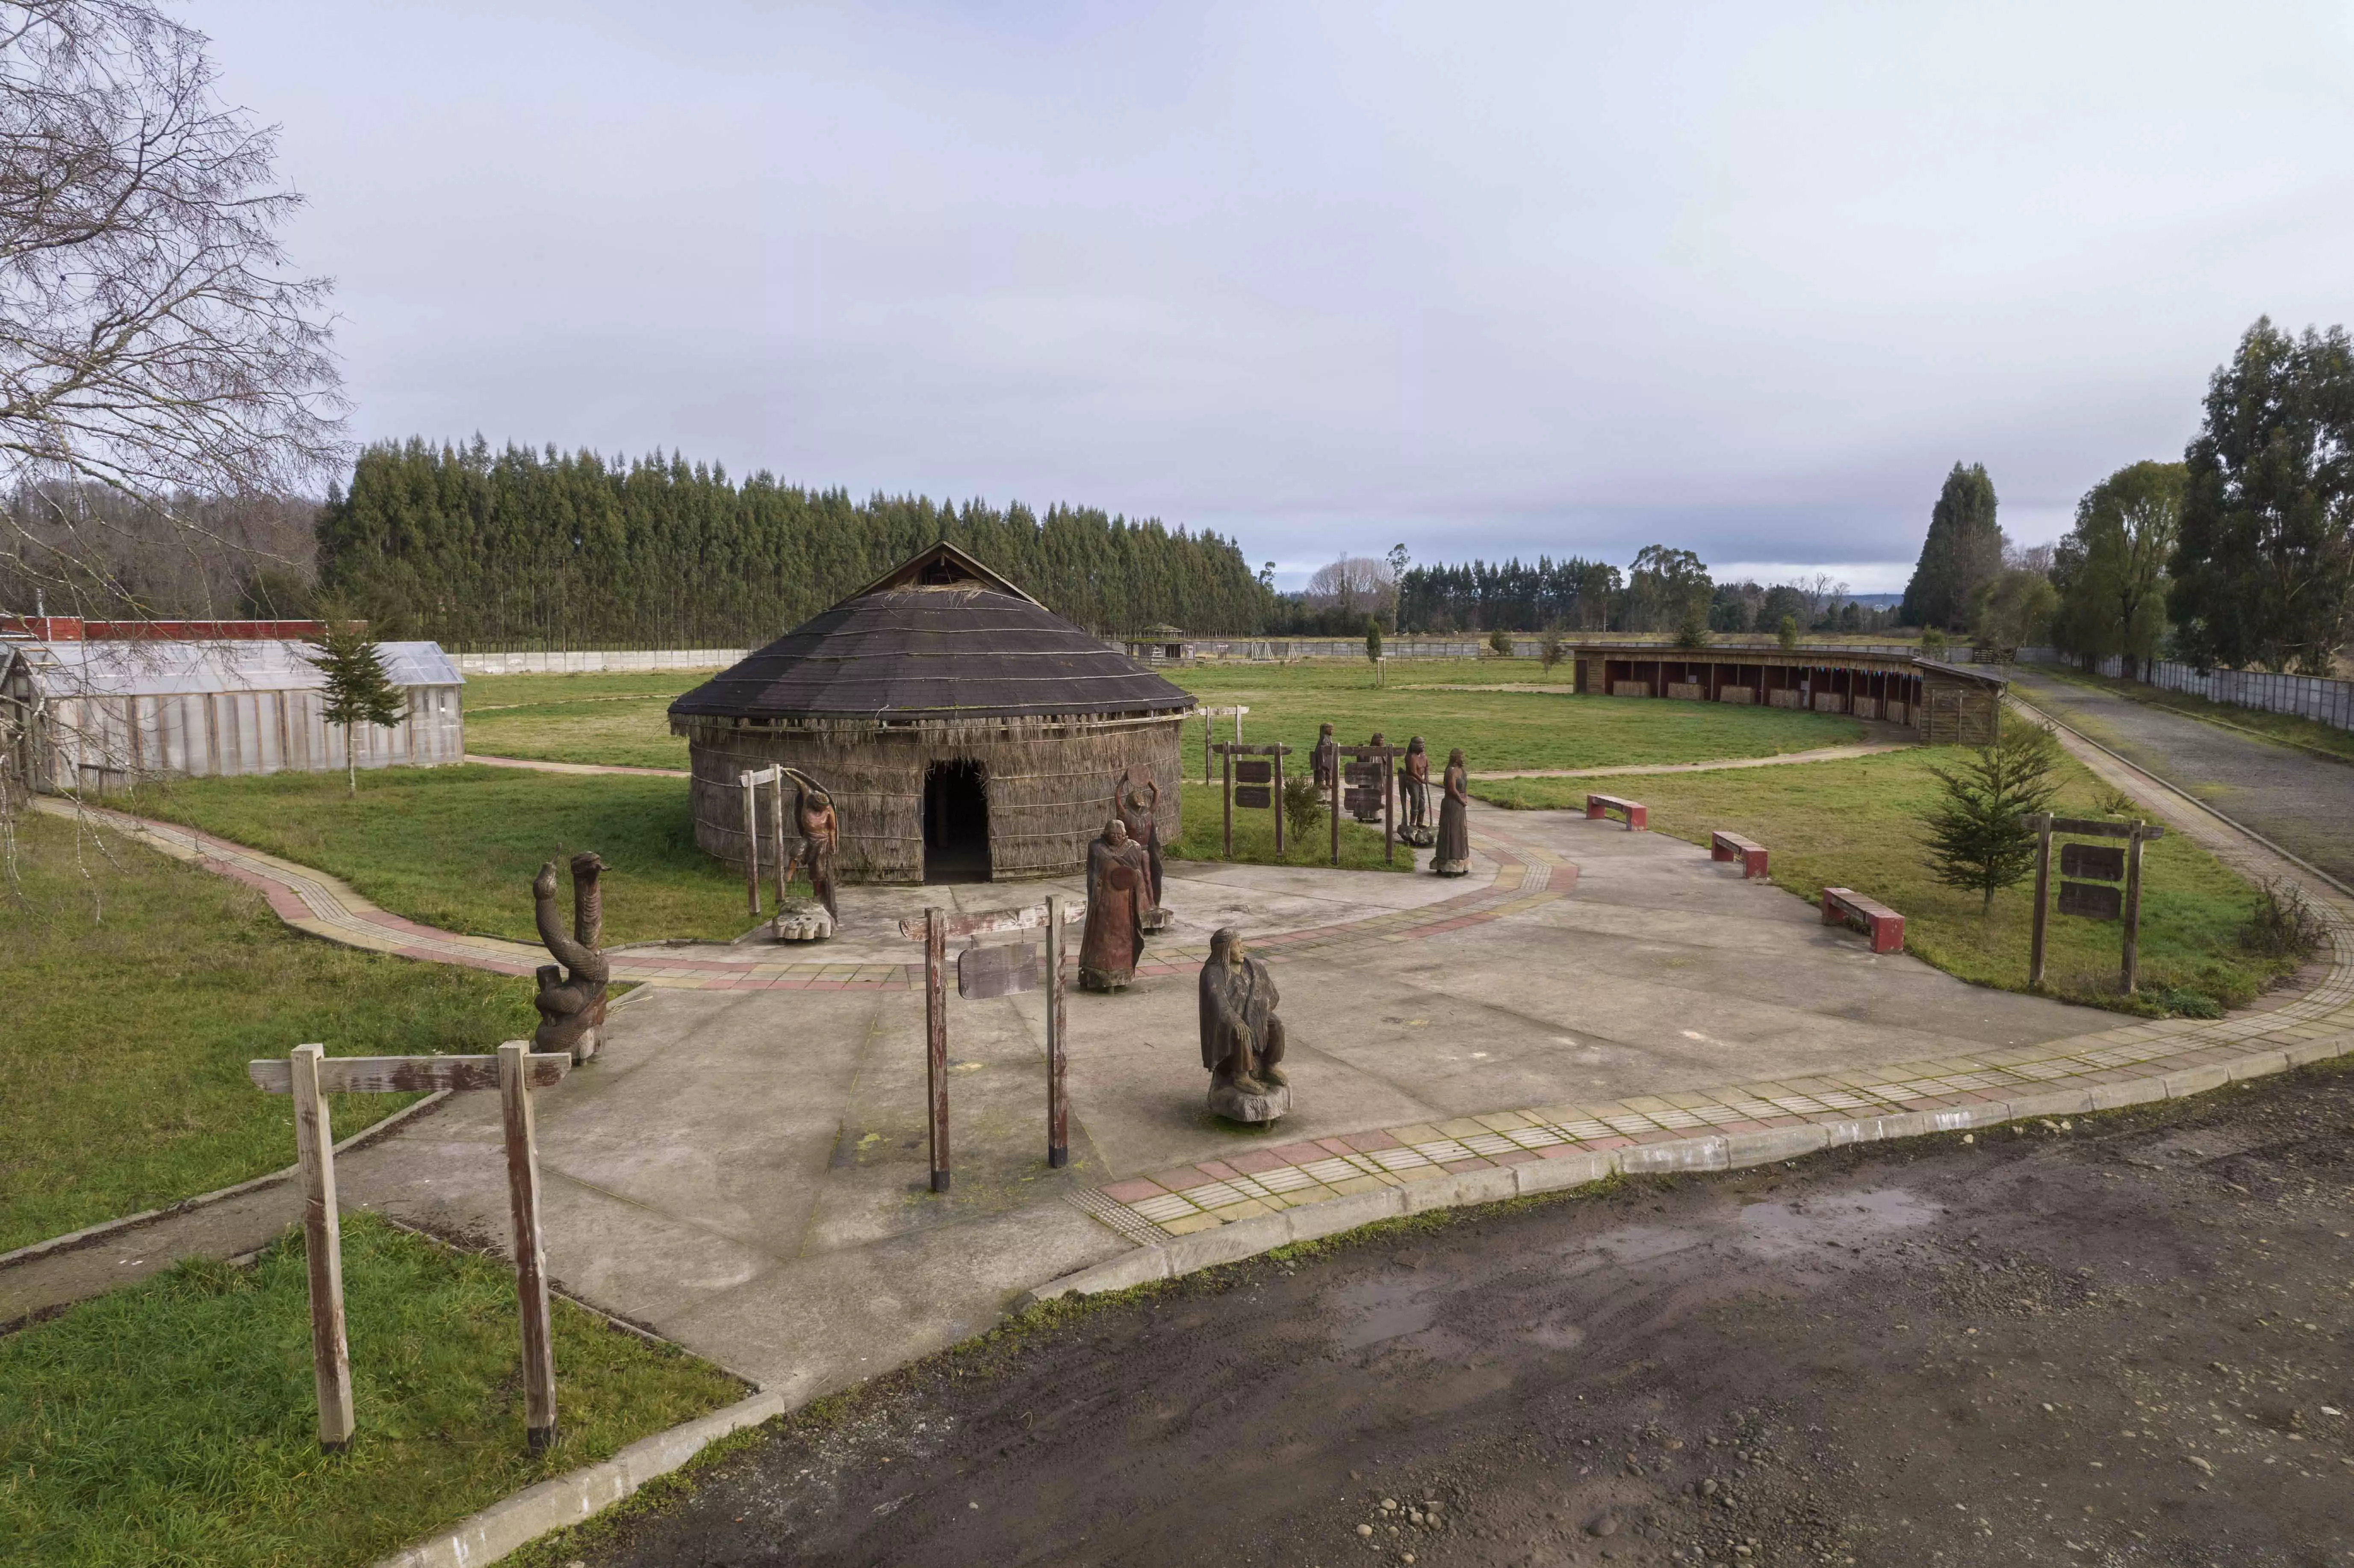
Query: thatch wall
[(1049, 782)]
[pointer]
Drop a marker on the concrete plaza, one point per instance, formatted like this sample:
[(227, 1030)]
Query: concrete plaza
[(746, 1171)]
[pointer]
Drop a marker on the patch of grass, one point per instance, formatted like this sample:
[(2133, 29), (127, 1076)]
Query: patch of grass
[(173, 1421), (1860, 824), (1497, 730), (618, 720), (457, 847), (1204, 838), (137, 987), (2304, 733)]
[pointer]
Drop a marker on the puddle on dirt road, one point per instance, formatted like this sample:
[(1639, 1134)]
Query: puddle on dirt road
[(1776, 1229)]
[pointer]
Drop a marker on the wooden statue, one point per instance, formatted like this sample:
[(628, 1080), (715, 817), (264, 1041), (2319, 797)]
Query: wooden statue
[(819, 828), (1326, 759), (1138, 810), (571, 1005), (1454, 854), (1118, 902), (1242, 1039), (1414, 795)]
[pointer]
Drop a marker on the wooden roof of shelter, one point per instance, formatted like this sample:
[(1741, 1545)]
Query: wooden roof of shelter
[(938, 637), (1961, 672)]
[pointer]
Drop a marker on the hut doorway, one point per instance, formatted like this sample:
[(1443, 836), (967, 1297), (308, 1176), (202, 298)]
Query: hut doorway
[(956, 822)]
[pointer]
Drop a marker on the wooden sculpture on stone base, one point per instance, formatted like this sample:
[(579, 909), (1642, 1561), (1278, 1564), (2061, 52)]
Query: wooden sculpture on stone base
[(1453, 855), (571, 999), (1413, 794), (1242, 1039)]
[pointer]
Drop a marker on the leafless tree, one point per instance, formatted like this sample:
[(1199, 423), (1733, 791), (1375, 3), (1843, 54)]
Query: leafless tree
[(155, 347), (1354, 582)]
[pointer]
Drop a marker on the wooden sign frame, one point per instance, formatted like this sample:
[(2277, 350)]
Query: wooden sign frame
[(1387, 757), (1228, 751), (934, 930), (2135, 833), (309, 1075)]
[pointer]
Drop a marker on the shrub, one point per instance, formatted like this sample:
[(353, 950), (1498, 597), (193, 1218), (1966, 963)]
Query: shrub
[(2282, 924), (1500, 642), (1786, 634), (1303, 804)]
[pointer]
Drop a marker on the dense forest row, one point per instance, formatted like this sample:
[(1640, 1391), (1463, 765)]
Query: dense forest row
[(481, 549)]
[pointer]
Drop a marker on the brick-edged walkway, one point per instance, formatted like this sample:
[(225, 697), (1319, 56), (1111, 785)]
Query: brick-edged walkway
[(325, 906)]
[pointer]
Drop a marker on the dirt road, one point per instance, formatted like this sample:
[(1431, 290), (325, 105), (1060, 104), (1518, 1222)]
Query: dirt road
[(2303, 802), (2123, 1341)]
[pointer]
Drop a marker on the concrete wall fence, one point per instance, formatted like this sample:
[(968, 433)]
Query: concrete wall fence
[(2315, 697), (591, 660)]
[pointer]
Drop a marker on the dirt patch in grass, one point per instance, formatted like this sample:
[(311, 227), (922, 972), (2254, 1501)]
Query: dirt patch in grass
[(174, 1421), (1859, 824)]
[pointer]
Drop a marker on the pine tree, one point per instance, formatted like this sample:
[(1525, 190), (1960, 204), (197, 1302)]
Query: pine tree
[(1976, 839), (1962, 551), (358, 690)]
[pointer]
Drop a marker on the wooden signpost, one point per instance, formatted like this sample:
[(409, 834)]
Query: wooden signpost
[(1235, 713), (983, 973), (310, 1075), (2090, 873), (1366, 770), (1254, 779), (751, 782)]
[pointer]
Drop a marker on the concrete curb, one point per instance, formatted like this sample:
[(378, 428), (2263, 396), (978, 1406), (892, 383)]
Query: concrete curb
[(553, 1504), (1241, 1239), (88, 1235)]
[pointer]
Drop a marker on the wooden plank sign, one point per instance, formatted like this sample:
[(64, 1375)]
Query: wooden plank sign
[(1003, 971), (1254, 795), (2093, 900), (2095, 862), (406, 1074), (1369, 774), (1253, 770)]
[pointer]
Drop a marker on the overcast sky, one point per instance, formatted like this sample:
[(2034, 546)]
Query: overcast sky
[(1483, 279)]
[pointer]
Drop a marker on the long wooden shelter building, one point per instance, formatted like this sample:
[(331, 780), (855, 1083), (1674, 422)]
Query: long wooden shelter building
[(1947, 703), (964, 731)]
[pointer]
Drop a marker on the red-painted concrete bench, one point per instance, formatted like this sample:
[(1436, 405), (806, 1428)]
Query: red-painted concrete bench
[(1637, 815), (1884, 926), (1723, 845)]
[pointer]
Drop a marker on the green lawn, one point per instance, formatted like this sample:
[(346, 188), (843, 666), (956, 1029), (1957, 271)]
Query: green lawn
[(457, 847), (2304, 732), (621, 719), (1204, 838), (173, 1422), (137, 987), (1497, 730), (1858, 824)]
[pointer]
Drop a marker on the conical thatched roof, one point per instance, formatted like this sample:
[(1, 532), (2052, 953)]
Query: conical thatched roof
[(938, 637)]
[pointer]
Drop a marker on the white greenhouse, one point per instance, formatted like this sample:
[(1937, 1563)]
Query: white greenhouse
[(96, 716)]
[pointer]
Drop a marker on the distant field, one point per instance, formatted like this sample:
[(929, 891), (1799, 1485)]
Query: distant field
[(622, 719), (1859, 824)]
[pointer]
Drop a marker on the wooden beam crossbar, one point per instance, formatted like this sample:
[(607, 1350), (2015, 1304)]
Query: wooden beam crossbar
[(309, 1075)]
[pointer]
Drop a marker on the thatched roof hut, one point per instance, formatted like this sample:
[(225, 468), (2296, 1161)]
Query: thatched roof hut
[(964, 731)]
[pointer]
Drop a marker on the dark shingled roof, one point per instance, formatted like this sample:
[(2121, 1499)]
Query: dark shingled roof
[(939, 636)]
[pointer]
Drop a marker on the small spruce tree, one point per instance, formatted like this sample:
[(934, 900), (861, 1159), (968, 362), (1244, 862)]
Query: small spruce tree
[(1786, 634), (1500, 642), (1550, 651), (358, 690), (1693, 632), (1976, 839), (1373, 645)]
